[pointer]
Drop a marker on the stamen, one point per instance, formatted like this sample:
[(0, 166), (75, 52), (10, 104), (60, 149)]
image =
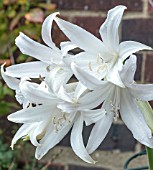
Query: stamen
[(99, 59), (60, 121), (115, 110), (53, 120), (90, 68), (101, 67)]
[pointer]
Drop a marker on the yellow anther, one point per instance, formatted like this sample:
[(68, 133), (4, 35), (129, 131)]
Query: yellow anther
[(26, 138), (53, 120)]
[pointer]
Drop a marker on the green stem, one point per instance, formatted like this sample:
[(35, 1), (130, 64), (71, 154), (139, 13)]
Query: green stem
[(150, 157)]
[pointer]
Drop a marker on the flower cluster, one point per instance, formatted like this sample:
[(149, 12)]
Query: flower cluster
[(104, 91)]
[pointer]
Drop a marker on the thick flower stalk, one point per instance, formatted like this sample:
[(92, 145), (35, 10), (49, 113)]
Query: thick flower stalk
[(105, 80)]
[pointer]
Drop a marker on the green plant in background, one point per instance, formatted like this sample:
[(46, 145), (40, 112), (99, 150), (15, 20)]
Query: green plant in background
[(5, 106), (18, 16), (11, 160), (7, 160)]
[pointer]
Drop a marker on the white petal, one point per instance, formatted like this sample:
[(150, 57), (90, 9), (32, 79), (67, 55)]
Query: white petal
[(109, 29), (113, 74), (80, 89), (46, 30), (67, 60), (129, 47), (57, 78), (92, 116), (35, 49), (142, 92), (33, 114), (32, 135), (51, 138), (91, 63), (77, 141), (85, 77), (66, 47), (12, 82), (134, 120), (37, 95), (31, 69), (101, 127), (23, 131), (96, 97), (99, 132), (128, 71), (64, 95), (79, 36), (38, 130)]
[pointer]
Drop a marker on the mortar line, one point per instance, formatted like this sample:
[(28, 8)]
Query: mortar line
[(143, 67), (81, 13), (145, 7)]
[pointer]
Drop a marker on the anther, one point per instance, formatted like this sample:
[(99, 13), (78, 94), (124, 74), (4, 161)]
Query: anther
[(90, 67)]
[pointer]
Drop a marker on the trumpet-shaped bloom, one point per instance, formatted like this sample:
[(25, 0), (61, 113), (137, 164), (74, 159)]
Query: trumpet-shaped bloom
[(104, 58), (54, 115), (50, 56), (116, 99)]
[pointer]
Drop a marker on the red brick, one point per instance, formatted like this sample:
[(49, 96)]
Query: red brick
[(133, 5), (119, 137), (91, 24), (139, 67), (57, 35), (83, 4), (138, 30), (149, 69)]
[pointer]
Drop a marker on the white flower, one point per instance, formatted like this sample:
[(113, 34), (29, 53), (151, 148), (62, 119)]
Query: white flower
[(54, 115), (50, 56), (116, 99), (13, 83), (103, 58)]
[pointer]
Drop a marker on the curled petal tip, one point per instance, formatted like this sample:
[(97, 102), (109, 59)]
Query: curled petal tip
[(95, 162), (12, 146)]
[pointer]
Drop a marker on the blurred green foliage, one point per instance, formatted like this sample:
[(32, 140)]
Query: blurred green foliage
[(18, 16), (11, 159)]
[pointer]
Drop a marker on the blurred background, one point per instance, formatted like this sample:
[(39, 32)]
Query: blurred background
[(27, 16)]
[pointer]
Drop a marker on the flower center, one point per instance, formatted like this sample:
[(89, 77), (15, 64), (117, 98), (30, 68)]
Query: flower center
[(58, 121), (101, 66)]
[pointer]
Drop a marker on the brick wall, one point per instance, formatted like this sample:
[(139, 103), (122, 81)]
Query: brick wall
[(137, 25)]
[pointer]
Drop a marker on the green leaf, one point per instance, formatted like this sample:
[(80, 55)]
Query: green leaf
[(4, 108), (147, 112), (8, 91)]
